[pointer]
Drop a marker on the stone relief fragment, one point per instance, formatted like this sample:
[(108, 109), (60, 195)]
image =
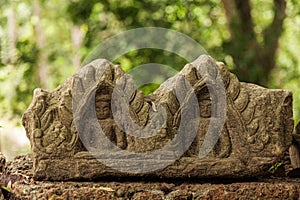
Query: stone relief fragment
[(256, 131)]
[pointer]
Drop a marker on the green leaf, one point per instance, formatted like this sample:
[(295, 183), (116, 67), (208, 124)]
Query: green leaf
[(6, 189), (275, 167)]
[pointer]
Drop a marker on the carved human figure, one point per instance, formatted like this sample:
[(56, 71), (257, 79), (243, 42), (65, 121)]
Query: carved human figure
[(106, 121), (58, 137), (205, 108), (39, 124), (223, 146)]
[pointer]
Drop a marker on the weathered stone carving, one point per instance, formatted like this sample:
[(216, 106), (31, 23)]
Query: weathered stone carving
[(294, 149), (257, 126)]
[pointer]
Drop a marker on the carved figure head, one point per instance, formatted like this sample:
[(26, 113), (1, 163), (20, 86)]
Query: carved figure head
[(103, 109), (205, 108), (102, 102), (205, 104)]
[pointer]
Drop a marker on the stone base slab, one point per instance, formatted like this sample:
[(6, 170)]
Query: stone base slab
[(158, 190), (17, 176), (89, 168)]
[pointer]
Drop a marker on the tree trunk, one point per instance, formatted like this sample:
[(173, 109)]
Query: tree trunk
[(254, 61), (77, 37), (42, 71), (12, 36)]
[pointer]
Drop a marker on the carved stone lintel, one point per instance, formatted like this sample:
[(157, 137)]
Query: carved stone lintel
[(98, 124)]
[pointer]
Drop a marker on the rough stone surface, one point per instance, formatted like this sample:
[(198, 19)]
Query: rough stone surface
[(294, 152), (296, 133), (17, 177), (256, 134), (156, 190), (2, 162)]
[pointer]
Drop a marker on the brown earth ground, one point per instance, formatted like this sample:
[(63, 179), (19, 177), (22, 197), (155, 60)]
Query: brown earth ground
[(16, 183)]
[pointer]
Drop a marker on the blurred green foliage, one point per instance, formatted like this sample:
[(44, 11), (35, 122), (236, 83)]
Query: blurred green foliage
[(53, 35)]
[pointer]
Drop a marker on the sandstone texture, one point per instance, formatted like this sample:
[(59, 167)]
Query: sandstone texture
[(201, 123), (17, 178)]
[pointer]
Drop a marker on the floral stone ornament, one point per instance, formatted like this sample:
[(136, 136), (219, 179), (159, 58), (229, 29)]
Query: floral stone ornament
[(200, 123)]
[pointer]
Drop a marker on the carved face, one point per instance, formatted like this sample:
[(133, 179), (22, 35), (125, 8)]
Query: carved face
[(205, 108), (103, 110)]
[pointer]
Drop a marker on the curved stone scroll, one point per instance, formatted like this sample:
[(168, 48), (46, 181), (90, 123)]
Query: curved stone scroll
[(256, 133)]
